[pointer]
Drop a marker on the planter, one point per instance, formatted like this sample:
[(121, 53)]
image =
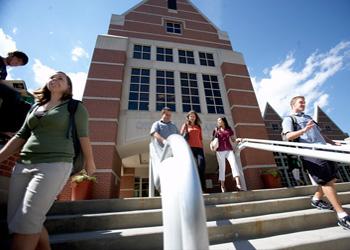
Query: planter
[(82, 190), (271, 181)]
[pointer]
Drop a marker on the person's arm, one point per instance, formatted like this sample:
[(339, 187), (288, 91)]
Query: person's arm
[(13, 146), (90, 166), (157, 136), (291, 135), (82, 123), (330, 141), (182, 130)]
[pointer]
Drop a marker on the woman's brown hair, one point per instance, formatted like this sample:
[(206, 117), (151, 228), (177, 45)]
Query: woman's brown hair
[(197, 121), (43, 95)]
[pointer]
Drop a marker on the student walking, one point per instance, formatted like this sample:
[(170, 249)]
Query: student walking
[(46, 156), (13, 59), (323, 172), (193, 131), (163, 128), (224, 134)]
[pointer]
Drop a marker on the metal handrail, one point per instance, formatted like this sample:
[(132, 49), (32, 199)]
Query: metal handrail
[(173, 171), (321, 151)]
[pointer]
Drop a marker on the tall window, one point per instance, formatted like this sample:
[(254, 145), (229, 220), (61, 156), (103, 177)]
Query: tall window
[(139, 89), (186, 56), (165, 55), (206, 59), (172, 27), (165, 90), (212, 94), (172, 4), (142, 52), (189, 91)]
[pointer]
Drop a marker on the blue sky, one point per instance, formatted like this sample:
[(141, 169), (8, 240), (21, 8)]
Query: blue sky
[(290, 47)]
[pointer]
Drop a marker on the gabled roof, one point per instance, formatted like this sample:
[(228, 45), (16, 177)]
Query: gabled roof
[(269, 111), (188, 1)]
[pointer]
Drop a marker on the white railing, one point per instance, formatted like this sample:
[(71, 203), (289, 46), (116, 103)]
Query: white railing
[(173, 172), (321, 151)]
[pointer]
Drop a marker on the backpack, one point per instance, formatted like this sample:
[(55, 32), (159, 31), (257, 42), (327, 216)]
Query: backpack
[(13, 109), (295, 128), (78, 159)]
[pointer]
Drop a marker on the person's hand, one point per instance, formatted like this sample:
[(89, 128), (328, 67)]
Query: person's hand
[(238, 140), (90, 168), (164, 141), (336, 143), (309, 126)]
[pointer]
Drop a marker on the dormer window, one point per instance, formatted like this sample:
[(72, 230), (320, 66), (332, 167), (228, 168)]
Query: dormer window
[(172, 27), (172, 5)]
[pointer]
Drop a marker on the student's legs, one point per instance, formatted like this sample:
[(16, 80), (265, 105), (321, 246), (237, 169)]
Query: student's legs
[(237, 172), (331, 194), (44, 243), (27, 223), (200, 161), (221, 157)]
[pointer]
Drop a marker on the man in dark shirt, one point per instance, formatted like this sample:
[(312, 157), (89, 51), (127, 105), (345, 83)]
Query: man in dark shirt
[(13, 59)]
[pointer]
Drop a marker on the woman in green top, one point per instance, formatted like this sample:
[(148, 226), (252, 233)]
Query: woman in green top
[(46, 156)]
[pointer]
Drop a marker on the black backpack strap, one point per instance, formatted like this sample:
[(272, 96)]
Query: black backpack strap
[(294, 122), (72, 108)]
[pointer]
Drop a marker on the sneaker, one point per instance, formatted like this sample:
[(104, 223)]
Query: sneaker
[(345, 222), (320, 204)]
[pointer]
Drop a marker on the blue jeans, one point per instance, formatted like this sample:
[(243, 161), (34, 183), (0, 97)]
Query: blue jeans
[(198, 154)]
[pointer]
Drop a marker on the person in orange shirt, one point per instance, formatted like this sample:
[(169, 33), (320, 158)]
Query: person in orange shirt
[(192, 132)]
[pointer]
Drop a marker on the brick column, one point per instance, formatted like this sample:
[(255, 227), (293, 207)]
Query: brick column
[(102, 99), (247, 119), (127, 183)]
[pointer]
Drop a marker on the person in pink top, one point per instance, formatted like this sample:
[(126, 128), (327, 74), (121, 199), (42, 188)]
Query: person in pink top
[(193, 130), (225, 151)]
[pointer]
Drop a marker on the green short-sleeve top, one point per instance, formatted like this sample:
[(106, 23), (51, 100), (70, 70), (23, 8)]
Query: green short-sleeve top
[(46, 136)]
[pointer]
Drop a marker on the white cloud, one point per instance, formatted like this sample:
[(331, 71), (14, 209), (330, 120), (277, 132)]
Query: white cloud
[(43, 72), (7, 44), (78, 53), (283, 81), (79, 81), (14, 30)]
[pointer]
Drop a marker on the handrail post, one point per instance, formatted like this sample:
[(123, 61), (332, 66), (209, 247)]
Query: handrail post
[(184, 219)]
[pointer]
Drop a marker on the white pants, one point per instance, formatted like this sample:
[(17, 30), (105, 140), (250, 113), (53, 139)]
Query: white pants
[(230, 156)]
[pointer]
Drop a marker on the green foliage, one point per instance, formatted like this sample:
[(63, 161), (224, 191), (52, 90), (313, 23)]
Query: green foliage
[(271, 171), (82, 176)]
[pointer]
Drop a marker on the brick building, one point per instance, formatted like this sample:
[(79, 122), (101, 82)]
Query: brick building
[(165, 53)]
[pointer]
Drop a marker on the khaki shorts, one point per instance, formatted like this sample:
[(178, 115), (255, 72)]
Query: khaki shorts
[(33, 189)]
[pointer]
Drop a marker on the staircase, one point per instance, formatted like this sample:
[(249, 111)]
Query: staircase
[(261, 219)]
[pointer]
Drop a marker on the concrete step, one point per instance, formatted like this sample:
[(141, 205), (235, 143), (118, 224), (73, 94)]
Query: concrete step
[(143, 218), (220, 231), (128, 204), (135, 223), (319, 239)]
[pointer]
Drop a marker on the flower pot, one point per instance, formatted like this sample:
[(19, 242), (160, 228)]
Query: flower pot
[(271, 181), (82, 190)]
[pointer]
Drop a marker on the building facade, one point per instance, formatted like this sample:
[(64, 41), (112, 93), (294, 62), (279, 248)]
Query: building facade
[(165, 53)]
